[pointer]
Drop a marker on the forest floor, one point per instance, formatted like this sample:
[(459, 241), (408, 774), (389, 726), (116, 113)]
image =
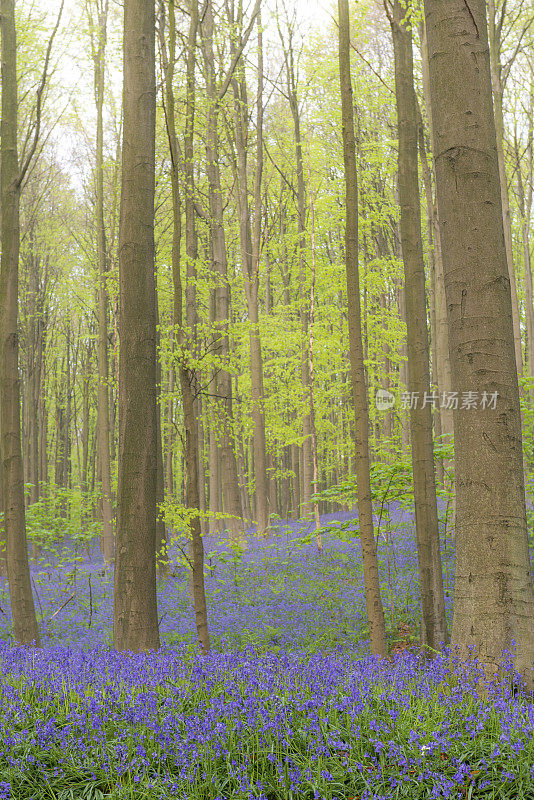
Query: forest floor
[(289, 705)]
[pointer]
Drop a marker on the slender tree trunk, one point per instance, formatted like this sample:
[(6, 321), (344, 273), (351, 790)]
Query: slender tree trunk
[(494, 32), (250, 238), (434, 374), (230, 485), (3, 542), (204, 528), (196, 547), (135, 618), (493, 592), (433, 623), (373, 599), (443, 362), (525, 210), (99, 55), (169, 444), (311, 322), (162, 557), (85, 420), (25, 626), (306, 449)]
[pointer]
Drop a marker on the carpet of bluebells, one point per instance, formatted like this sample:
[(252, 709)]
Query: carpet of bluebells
[(289, 704)]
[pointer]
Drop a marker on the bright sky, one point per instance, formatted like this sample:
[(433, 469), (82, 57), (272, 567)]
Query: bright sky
[(72, 56)]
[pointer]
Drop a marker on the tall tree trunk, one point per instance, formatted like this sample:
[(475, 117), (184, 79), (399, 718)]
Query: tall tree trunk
[(230, 484), (162, 557), (25, 626), (3, 542), (306, 449), (201, 470), (99, 56), (135, 615), (434, 373), (43, 435), (443, 362), (373, 599), (433, 623), (525, 210), (169, 444), (494, 31), (493, 592), (250, 237), (186, 375), (311, 322), (85, 420)]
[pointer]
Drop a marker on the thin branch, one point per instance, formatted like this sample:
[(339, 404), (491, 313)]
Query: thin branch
[(40, 91)]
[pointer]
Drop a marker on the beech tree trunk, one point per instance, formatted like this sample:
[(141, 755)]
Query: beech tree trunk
[(196, 547), (135, 617), (25, 626), (373, 599), (99, 55), (162, 558), (250, 238), (443, 362), (496, 72), (306, 483), (493, 592), (433, 623), (525, 211), (223, 384)]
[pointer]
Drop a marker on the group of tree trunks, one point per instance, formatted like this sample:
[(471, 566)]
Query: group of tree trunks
[(473, 319)]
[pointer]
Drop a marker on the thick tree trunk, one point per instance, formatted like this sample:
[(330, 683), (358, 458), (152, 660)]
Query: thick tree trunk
[(135, 618), (493, 592), (373, 599), (433, 623), (24, 620)]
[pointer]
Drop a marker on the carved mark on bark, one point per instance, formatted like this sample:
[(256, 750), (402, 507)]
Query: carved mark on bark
[(462, 305), (472, 18), (488, 441)]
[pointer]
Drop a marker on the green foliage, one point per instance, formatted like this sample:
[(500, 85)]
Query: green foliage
[(61, 515)]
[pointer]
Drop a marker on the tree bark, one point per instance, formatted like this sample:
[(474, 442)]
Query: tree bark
[(25, 626), (433, 623), (250, 238), (493, 592), (525, 211), (306, 448), (498, 92), (99, 56), (373, 599), (186, 373), (135, 618), (223, 385)]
